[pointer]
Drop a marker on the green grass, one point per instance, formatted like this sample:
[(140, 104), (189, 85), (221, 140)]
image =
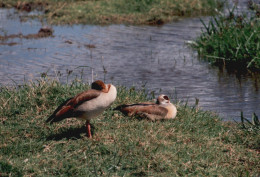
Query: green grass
[(231, 41), (116, 11), (196, 143)]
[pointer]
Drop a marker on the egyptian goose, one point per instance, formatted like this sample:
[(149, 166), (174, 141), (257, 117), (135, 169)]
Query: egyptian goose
[(86, 105), (162, 109)]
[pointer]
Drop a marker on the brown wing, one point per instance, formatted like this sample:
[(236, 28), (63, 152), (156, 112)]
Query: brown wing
[(66, 109), (149, 110)]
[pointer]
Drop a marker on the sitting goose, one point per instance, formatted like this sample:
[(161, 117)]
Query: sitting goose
[(162, 109)]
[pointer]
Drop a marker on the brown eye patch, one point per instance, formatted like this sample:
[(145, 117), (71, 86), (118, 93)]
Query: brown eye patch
[(166, 97)]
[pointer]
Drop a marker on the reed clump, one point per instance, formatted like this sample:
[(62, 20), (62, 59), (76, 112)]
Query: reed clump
[(231, 41), (196, 143)]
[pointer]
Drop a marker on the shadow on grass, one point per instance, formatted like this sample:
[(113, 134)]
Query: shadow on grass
[(7, 169), (71, 133)]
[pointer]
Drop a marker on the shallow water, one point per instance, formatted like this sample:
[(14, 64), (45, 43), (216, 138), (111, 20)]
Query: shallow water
[(156, 57)]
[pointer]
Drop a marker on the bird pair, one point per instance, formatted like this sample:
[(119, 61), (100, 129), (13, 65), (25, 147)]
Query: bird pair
[(93, 102)]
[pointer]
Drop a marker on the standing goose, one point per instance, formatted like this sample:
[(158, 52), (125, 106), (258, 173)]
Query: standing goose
[(162, 109), (86, 105)]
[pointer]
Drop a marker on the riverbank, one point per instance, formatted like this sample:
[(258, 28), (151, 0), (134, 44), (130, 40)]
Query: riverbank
[(151, 12), (195, 143)]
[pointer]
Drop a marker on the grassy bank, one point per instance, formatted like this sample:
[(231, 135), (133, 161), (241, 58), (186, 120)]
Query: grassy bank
[(195, 143), (232, 41), (115, 11)]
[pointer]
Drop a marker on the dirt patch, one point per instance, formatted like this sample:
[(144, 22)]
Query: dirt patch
[(43, 32), (29, 6), (2, 5), (25, 6), (90, 46), (8, 43), (155, 21)]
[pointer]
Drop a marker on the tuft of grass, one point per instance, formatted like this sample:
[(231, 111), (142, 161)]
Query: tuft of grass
[(249, 128), (254, 125), (115, 11), (195, 143), (231, 41)]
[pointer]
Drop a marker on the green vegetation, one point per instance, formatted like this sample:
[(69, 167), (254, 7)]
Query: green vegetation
[(232, 41), (196, 143), (115, 11)]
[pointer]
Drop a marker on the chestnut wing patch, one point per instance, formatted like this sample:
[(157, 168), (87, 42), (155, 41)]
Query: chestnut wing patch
[(66, 109), (82, 97)]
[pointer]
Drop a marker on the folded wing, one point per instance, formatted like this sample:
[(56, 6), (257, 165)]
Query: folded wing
[(149, 111), (67, 108)]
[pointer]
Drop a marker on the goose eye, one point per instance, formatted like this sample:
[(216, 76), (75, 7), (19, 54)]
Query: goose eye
[(166, 97)]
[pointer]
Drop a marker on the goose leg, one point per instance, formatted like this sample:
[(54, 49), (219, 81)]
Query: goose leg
[(88, 129)]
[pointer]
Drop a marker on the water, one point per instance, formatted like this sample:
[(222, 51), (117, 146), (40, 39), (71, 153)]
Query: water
[(156, 57)]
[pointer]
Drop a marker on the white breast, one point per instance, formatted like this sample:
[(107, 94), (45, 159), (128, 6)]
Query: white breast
[(96, 106), (172, 111)]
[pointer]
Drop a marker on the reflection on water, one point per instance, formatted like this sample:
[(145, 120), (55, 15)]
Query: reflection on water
[(156, 57)]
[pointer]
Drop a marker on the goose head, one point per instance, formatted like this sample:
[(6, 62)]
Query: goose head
[(100, 85), (162, 100)]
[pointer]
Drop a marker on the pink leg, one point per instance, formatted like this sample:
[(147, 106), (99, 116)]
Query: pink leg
[(88, 129)]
